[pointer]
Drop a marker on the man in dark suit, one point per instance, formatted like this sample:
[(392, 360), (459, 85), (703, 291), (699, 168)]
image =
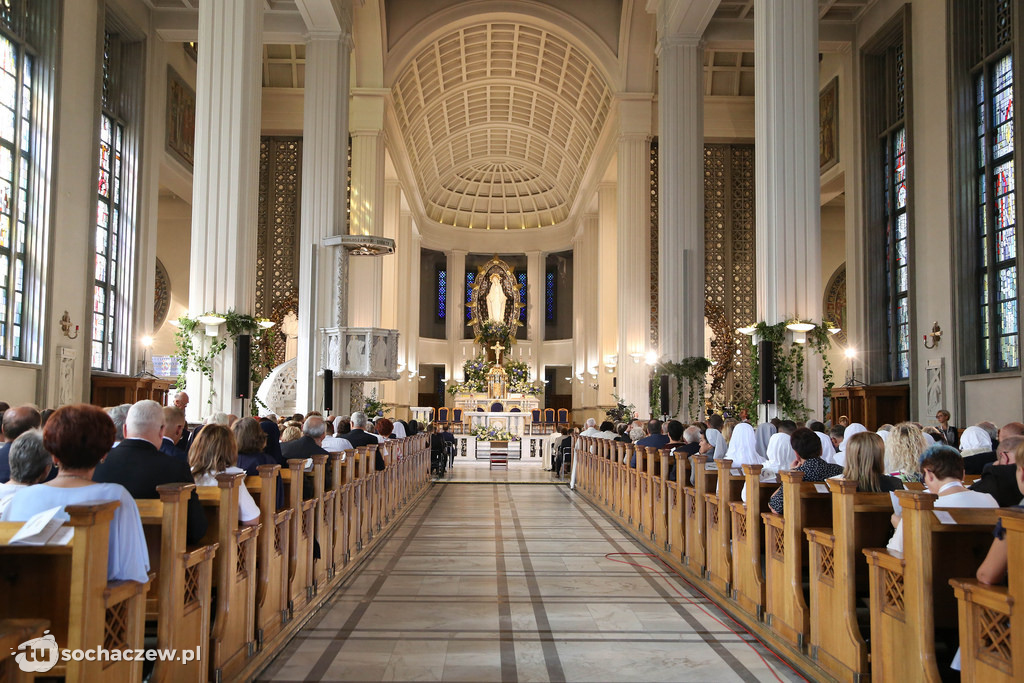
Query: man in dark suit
[(181, 402), (174, 423), (654, 438), (313, 432), (16, 421), (138, 465), (359, 437), (999, 479)]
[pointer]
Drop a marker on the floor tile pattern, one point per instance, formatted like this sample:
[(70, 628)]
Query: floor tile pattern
[(507, 582)]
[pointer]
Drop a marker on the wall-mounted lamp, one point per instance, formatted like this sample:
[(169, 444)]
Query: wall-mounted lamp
[(65, 326), (265, 323), (610, 361), (636, 356), (212, 322), (936, 335), (747, 330), (651, 358)]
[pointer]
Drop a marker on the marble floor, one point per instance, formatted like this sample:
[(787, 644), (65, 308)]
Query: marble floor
[(517, 472), (506, 582)]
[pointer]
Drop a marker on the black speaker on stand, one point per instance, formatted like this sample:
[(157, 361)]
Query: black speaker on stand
[(328, 390), (766, 375), (243, 348), (664, 396)]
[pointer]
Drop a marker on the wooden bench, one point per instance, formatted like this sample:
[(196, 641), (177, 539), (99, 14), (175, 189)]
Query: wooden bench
[(910, 593), (272, 556), (234, 577), (675, 507), (14, 632), (991, 618), (693, 508), (300, 538), (838, 576), (718, 518), (179, 594), (339, 507), (785, 559), (657, 460), (67, 585), (748, 542)]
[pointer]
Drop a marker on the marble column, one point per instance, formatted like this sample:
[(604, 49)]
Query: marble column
[(456, 308), (223, 252), (787, 181), (534, 315), (681, 198), (633, 249), (588, 315), (366, 218), (603, 271), (323, 206), (580, 309), (408, 255), (390, 284)]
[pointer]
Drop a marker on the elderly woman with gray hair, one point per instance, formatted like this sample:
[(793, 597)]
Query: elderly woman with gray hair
[(30, 464)]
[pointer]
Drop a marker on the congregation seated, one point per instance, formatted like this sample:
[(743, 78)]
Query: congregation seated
[(291, 432), (138, 465), (653, 439), (307, 445), (333, 442), (78, 436), (903, 451), (358, 436), (943, 472), (174, 425), (865, 464), (976, 449), (16, 421), (993, 570), (214, 452), (590, 428), (251, 441), (806, 458), (743, 446), (385, 428), (999, 479), (762, 435), (273, 434), (30, 464), (687, 443)]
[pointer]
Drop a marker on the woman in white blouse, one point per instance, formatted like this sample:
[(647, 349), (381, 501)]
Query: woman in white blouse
[(215, 452)]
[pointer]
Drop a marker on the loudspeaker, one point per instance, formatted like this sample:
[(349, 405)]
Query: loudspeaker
[(328, 390), (243, 347), (766, 375), (664, 395)]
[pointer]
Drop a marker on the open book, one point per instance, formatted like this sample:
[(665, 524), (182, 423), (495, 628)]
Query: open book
[(45, 528)]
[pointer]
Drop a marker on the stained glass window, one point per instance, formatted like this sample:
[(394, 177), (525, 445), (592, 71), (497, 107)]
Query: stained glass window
[(442, 292), (521, 277), (112, 259), (549, 296), (16, 165), (897, 265), (470, 279), (997, 207)]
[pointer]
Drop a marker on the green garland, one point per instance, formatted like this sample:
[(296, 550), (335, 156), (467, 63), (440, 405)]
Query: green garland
[(235, 324), (694, 370), (788, 367)]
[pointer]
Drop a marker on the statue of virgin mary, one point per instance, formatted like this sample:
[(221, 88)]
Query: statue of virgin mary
[(495, 300)]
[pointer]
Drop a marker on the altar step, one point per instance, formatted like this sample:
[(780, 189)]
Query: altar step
[(517, 455)]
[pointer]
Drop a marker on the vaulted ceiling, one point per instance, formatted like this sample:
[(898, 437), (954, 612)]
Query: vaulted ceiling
[(500, 120)]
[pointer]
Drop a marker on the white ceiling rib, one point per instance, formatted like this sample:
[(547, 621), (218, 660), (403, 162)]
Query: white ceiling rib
[(500, 121)]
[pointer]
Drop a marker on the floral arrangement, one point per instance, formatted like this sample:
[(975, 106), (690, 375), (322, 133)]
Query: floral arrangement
[(475, 372), (492, 433), (622, 412), (492, 333), (373, 407), (519, 378)]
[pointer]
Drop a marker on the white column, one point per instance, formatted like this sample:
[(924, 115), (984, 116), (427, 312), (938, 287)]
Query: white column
[(681, 198), (580, 312), (586, 273), (535, 306), (634, 243), (408, 315), (456, 308), (223, 253), (390, 283), (322, 214), (788, 215), (366, 218), (604, 272)]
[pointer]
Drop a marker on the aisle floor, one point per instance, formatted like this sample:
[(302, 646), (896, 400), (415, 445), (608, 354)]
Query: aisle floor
[(506, 582)]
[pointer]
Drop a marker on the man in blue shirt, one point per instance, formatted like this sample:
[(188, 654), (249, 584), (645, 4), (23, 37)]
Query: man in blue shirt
[(654, 439)]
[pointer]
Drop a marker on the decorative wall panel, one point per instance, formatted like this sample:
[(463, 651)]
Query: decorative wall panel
[(654, 242), (277, 255), (729, 267)]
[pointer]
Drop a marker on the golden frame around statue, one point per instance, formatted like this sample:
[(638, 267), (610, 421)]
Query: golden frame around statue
[(482, 288)]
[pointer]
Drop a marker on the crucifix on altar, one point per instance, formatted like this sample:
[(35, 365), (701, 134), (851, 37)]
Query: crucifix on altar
[(497, 348)]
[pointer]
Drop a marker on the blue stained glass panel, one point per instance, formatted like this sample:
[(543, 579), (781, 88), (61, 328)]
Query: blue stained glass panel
[(521, 276), (901, 226), (904, 365), (470, 279), (1007, 285), (1006, 246), (1008, 317), (1006, 211), (901, 276), (442, 292), (1003, 73), (549, 295), (1009, 355), (901, 253)]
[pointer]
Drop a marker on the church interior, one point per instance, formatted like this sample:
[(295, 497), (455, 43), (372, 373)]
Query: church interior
[(508, 221)]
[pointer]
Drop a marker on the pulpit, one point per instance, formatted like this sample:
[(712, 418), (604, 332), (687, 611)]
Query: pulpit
[(872, 406)]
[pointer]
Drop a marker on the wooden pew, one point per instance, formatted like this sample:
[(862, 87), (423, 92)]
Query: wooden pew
[(179, 594), (992, 617), (234, 570), (676, 508), (837, 576), (67, 585), (300, 539), (14, 632), (693, 509), (910, 592), (622, 485), (748, 543), (718, 518), (272, 556), (339, 507), (631, 492), (323, 516), (658, 460), (785, 602)]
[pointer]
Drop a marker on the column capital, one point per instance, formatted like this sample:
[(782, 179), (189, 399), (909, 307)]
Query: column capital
[(328, 36), (673, 42)]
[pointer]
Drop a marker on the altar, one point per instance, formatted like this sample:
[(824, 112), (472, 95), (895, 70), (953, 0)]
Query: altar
[(477, 402)]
